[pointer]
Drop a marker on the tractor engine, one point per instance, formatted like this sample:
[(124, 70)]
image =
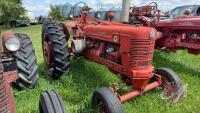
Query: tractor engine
[(110, 51)]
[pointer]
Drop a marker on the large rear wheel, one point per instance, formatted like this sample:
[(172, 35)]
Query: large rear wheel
[(51, 102), (26, 64), (55, 49)]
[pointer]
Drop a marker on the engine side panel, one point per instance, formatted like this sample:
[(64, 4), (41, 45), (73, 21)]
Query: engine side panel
[(102, 32)]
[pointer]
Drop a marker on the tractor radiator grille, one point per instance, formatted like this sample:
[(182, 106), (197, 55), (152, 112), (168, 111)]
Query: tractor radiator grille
[(141, 52), (4, 101)]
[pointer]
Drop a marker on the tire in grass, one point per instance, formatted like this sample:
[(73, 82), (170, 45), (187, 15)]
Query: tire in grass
[(55, 49), (26, 64), (51, 102), (106, 101)]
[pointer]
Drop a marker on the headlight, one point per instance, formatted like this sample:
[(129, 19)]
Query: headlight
[(12, 44), (71, 16), (152, 34), (98, 16)]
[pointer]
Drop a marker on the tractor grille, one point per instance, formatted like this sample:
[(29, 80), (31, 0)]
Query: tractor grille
[(141, 52), (4, 101)]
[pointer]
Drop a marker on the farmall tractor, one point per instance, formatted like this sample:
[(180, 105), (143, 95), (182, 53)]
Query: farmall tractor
[(14, 47), (127, 50), (174, 33)]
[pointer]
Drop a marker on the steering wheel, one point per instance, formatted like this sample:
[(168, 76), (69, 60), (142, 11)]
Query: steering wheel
[(154, 6), (84, 7)]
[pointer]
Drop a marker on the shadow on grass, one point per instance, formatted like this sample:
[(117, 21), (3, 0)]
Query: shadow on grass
[(85, 77), (159, 60)]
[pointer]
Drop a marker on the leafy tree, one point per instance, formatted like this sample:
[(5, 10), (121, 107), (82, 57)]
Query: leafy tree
[(11, 10), (55, 13)]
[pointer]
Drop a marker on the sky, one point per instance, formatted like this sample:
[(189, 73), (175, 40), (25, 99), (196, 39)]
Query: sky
[(41, 7)]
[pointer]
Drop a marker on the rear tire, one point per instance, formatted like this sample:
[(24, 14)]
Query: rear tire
[(106, 101), (26, 64), (51, 102), (55, 49)]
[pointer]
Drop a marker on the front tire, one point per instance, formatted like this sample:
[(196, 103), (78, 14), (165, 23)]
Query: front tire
[(55, 49), (106, 101), (51, 102), (173, 89), (26, 64)]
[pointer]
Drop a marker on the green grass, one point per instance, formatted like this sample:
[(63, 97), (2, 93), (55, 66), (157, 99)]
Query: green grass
[(77, 87)]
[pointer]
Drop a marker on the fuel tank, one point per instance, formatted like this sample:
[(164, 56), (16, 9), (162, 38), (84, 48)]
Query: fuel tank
[(108, 31)]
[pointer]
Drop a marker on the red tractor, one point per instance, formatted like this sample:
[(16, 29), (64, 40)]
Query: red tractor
[(174, 33), (20, 47), (10, 73), (127, 50)]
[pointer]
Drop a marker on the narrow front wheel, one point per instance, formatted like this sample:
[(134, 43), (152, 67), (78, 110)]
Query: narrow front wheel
[(106, 101)]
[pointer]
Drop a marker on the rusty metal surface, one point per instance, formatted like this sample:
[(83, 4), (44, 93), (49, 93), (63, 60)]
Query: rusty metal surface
[(6, 98), (173, 92), (1, 47), (6, 94)]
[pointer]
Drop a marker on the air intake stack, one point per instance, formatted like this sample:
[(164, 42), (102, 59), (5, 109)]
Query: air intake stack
[(125, 11)]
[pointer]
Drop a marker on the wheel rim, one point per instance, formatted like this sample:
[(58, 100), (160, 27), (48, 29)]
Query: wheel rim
[(171, 91), (48, 54), (166, 86)]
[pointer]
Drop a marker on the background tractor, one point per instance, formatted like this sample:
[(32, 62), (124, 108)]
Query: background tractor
[(179, 30), (10, 73), (20, 47), (127, 50)]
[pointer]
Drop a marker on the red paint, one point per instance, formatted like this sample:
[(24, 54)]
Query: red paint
[(177, 33), (138, 92), (6, 89), (131, 45)]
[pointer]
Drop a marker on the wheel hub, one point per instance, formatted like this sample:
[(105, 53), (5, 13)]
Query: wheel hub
[(173, 92), (48, 55)]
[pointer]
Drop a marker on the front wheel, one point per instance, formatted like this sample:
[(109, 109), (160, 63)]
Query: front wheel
[(106, 101), (51, 102), (173, 89)]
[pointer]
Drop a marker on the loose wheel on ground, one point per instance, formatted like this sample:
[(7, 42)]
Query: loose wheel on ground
[(26, 63), (55, 49), (51, 102), (106, 101)]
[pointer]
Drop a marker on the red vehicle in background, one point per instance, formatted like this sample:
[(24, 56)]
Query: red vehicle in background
[(179, 11), (176, 31)]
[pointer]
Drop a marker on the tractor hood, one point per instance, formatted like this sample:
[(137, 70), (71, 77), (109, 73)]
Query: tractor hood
[(192, 22), (107, 31)]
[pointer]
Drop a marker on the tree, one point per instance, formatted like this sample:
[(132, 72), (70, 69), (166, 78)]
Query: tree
[(11, 10), (55, 13)]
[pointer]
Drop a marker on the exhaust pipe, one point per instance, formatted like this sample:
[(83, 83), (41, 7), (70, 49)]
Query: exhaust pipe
[(125, 11)]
